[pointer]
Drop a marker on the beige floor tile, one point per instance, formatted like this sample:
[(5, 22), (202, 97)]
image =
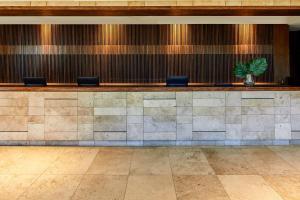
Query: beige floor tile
[(206, 187), (32, 160), (150, 162), (248, 187), (12, 186), (289, 154), (150, 187), (228, 161), (111, 162), (73, 161), (188, 161), (265, 161), (287, 186), (99, 187), (52, 187)]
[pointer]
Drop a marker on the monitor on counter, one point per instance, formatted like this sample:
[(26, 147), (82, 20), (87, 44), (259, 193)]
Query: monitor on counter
[(88, 81), (35, 81), (177, 81)]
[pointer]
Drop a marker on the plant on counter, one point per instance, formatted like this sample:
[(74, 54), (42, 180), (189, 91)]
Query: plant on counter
[(255, 67)]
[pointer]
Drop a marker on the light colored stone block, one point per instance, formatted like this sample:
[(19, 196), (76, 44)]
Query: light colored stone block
[(296, 135), (159, 95), (282, 110), (85, 119), (159, 103), (233, 98), (206, 111), (156, 136), (135, 99), (282, 99), (85, 132), (184, 131), (283, 131), (259, 136), (181, 119), (66, 111), (258, 110), (55, 136), (208, 102), (233, 110), (85, 99), (209, 123), (60, 123), (157, 111), (295, 110), (110, 123), (209, 95), (259, 123), (135, 110), (258, 102), (103, 103), (36, 111), (13, 136), (258, 95), (82, 111), (135, 131), (35, 119), (159, 124), (295, 119), (233, 119), (184, 99), (282, 118), (61, 103), (131, 119), (234, 132), (114, 95), (110, 136), (13, 123), (36, 100), (208, 135), (36, 132), (16, 111), (110, 111), (184, 111)]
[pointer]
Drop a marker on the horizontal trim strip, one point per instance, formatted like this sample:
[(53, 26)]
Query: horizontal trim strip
[(133, 49)]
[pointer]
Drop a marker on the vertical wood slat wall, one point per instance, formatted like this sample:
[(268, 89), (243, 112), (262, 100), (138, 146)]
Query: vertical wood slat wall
[(132, 53)]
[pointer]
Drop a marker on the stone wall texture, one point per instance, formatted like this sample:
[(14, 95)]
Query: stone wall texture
[(150, 118), (150, 3)]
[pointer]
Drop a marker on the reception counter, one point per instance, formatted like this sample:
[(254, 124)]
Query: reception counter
[(142, 116)]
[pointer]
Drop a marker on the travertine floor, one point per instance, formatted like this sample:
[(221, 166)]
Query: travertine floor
[(212, 173)]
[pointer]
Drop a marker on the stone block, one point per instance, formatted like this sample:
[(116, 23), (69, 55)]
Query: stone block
[(85, 111), (296, 135), (159, 95), (184, 131), (114, 95), (16, 111), (233, 119), (110, 111), (11, 135), (259, 123), (233, 110), (13, 123), (282, 119), (85, 132), (233, 98), (258, 102), (184, 99), (208, 102), (36, 100), (135, 110), (282, 110), (60, 102), (60, 123), (135, 99), (295, 119), (282, 99), (206, 111), (85, 99), (184, 111), (85, 120), (110, 123), (258, 95), (159, 103), (295, 110), (258, 135), (159, 111), (135, 132), (110, 136), (67, 111), (103, 103), (184, 119), (154, 124), (157, 136), (208, 135), (209, 95), (283, 131), (258, 110), (36, 111), (36, 132), (209, 123), (61, 136), (131, 119), (36, 119)]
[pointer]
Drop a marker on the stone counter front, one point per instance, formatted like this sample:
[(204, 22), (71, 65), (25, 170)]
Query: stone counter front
[(150, 118)]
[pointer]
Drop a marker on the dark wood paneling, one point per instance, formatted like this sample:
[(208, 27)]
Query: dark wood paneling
[(281, 52), (294, 55), (150, 11), (132, 53)]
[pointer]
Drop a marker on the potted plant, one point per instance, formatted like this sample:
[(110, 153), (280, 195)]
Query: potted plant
[(255, 67)]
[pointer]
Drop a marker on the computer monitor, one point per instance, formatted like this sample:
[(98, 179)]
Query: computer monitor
[(35, 81), (177, 81), (88, 81)]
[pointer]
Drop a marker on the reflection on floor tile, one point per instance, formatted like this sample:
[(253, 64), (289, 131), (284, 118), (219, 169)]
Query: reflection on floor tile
[(111, 162), (99, 187), (12, 186), (150, 187), (287, 186), (52, 187), (289, 154), (226, 161), (248, 187), (189, 162), (150, 162), (206, 187)]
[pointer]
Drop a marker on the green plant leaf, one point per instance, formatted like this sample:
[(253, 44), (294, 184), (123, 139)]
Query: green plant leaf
[(258, 66), (240, 70)]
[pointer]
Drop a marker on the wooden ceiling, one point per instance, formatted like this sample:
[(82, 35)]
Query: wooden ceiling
[(149, 11)]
